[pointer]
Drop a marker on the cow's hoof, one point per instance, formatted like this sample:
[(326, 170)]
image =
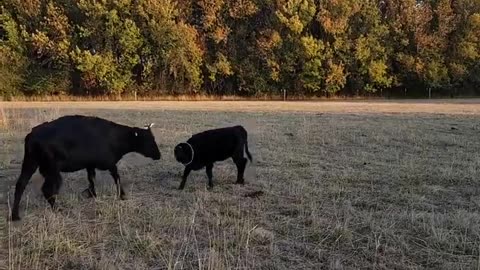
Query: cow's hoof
[(88, 194), (15, 218), (209, 187), (57, 210), (123, 197), (240, 182)]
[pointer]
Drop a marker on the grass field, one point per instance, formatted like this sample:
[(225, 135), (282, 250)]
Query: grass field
[(346, 185)]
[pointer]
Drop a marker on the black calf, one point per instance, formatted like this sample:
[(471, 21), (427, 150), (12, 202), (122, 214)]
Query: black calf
[(204, 149)]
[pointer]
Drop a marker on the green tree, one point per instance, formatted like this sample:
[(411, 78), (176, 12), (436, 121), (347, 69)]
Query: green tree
[(371, 51), (294, 17), (247, 47), (464, 54), (12, 60), (334, 17), (172, 52)]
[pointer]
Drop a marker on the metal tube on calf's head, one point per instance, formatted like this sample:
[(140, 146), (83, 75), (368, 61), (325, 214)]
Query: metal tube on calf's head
[(184, 153)]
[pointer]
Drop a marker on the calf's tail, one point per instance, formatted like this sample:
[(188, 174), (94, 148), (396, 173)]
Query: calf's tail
[(244, 136), (248, 152)]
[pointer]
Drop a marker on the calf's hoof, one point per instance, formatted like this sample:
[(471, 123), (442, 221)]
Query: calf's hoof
[(123, 197), (15, 217), (240, 182), (57, 209)]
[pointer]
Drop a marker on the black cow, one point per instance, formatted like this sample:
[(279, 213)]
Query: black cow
[(75, 142), (204, 149)]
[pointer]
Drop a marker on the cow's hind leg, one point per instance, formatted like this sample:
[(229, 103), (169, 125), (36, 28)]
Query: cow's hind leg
[(29, 166), (241, 163), (208, 170), (90, 191), (116, 178)]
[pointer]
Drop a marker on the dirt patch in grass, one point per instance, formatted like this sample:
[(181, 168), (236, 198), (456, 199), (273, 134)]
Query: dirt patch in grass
[(340, 190)]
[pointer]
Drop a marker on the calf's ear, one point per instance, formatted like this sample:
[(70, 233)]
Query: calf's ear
[(179, 148)]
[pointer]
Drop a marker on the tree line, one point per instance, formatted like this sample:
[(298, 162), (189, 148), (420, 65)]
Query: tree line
[(240, 47)]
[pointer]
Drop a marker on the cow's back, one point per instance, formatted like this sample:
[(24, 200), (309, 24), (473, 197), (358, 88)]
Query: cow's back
[(80, 140), (73, 128)]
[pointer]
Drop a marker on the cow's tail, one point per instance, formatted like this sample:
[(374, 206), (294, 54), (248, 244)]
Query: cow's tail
[(29, 166), (248, 153)]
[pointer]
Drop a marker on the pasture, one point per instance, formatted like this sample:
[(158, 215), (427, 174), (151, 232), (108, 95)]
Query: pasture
[(333, 185)]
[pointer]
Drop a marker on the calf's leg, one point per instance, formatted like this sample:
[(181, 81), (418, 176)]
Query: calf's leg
[(186, 172), (116, 178), (241, 163), (208, 169)]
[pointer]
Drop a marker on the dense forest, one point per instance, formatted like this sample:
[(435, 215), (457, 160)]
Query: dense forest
[(240, 47)]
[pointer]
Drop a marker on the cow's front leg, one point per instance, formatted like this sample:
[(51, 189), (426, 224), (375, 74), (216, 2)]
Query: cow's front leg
[(90, 191), (51, 187)]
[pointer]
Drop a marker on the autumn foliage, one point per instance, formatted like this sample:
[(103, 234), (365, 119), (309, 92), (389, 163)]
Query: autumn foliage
[(240, 47)]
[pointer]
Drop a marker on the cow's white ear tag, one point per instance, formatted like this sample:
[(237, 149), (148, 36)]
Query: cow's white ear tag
[(136, 134)]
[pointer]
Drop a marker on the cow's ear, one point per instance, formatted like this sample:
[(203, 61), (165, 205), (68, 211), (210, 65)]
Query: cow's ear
[(149, 126)]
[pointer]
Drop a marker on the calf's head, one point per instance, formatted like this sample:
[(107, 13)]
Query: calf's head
[(145, 144), (183, 153)]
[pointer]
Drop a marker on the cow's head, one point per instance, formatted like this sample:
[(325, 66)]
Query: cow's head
[(184, 153), (145, 144)]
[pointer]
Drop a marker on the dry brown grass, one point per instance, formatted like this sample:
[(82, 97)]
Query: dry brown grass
[(3, 119), (368, 188), (190, 97), (66, 98), (458, 106)]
